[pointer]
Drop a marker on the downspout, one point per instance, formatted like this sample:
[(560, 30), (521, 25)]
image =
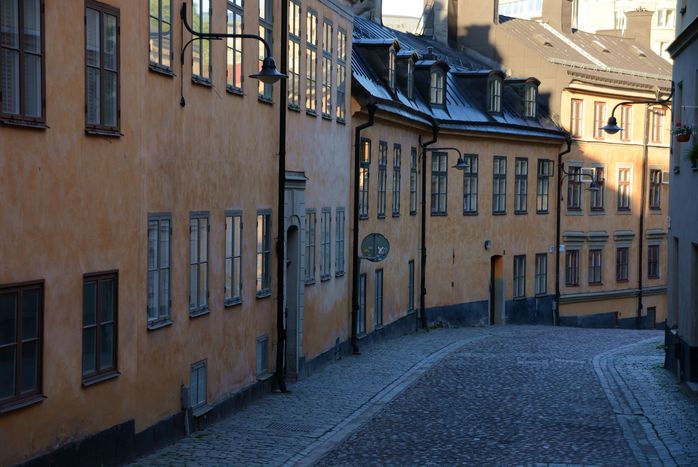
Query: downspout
[(422, 278), (356, 263), (556, 314), (280, 211), (640, 256)]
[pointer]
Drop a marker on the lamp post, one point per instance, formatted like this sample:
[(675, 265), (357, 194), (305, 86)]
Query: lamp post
[(268, 74), (612, 128)]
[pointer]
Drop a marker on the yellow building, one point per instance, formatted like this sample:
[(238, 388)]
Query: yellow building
[(140, 214)]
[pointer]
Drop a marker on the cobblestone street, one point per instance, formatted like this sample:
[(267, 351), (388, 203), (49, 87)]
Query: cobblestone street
[(475, 396)]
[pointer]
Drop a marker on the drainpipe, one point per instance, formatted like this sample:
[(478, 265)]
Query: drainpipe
[(645, 154), (422, 279), (356, 263), (280, 212), (556, 314)]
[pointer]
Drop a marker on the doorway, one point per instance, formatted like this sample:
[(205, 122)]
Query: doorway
[(496, 299), (292, 301)]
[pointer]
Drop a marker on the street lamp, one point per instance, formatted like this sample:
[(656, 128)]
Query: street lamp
[(611, 127)]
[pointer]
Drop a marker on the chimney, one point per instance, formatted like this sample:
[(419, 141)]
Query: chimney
[(370, 9), (473, 24), (561, 14), (638, 25)]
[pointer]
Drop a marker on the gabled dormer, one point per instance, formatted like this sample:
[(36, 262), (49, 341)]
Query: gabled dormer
[(530, 98), (495, 83), (430, 78), (405, 72), (381, 56)]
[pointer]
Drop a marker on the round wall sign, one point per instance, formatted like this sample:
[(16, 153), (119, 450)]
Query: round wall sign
[(375, 247)]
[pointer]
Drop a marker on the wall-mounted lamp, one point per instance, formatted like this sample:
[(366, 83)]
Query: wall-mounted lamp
[(611, 127)]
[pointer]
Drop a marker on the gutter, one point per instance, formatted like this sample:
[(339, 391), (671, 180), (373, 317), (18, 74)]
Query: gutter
[(556, 314), (422, 279), (356, 263)]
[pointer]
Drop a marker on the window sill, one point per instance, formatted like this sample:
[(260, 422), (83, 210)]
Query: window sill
[(201, 410), (655, 210), (198, 313), (161, 70), (499, 213), (624, 212), (519, 299), (596, 284), (574, 212), (470, 213), (520, 213), (265, 100), (327, 117), (339, 274), (542, 213), (233, 302), (20, 404), (381, 216), (24, 123), (541, 294), (311, 113), (597, 212), (363, 218), (653, 278), (413, 213), (154, 326), (263, 294), (439, 214), (103, 132), (396, 214), (622, 281), (309, 283), (265, 376), (325, 278), (341, 121), (201, 81), (100, 378), (571, 285), (294, 108), (234, 91)]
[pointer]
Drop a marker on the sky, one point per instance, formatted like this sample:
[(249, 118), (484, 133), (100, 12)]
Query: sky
[(403, 7)]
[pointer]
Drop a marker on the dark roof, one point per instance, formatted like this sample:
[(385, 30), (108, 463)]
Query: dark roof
[(465, 104), (606, 57)]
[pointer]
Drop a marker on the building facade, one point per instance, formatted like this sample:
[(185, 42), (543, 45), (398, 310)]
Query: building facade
[(138, 289), (682, 332)]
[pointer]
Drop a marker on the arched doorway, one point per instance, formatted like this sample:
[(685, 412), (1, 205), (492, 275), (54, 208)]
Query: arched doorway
[(496, 290)]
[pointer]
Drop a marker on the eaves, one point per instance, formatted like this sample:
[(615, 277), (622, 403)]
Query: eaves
[(683, 40)]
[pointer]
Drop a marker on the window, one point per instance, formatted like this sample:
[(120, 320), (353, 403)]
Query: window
[(595, 262), (470, 184), (596, 197), (520, 186), (159, 236), (392, 56), (545, 169), (339, 243), (233, 257), (576, 123), (572, 268), (341, 75), (160, 34), (364, 167), (530, 95), (233, 46), (325, 247), (198, 263), (653, 262), (494, 92), (99, 326), (655, 189), (379, 298), (361, 319), (574, 189), (22, 60), (437, 87), (626, 122), (263, 253), (311, 63), (326, 69), (624, 189), (413, 182), (197, 385), (294, 54), (102, 67), (410, 286), (21, 344), (665, 18), (310, 227), (397, 164), (382, 177), (622, 256), (657, 119), (599, 119), (499, 185), (266, 30), (519, 276), (201, 49), (439, 183), (410, 79), (541, 274)]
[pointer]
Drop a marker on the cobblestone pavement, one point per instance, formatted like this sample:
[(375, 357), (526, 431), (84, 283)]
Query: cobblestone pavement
[(473, 396)]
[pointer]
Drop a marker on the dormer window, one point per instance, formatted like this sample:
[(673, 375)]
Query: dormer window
[(530, 97), (494, 91), (437, 87), (391, 68), (410, 78)]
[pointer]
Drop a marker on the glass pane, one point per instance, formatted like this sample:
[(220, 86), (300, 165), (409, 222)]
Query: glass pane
[(228, 277), (164, 237), (8, 316), (92, 37), (106, 353), (9, 64), (166, 13), (152, 244), (203, 239), (193, 241), (30, 364), (110, 58), (31, 301), (93, 108), (106, 300), (229, 234), (110, 99), (152, 294), (193, 291), (7, 372), (32, 26), (9, 23), (154, 8), (166, 44), (89, 303), (88, 350), (164, 297), (154, 38), (203, 277), (236, 277), (32, 85)]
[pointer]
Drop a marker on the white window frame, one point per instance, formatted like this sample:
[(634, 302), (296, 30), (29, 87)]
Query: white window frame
[(233, 257), (325, 244), (158, 312), (198, 262)]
